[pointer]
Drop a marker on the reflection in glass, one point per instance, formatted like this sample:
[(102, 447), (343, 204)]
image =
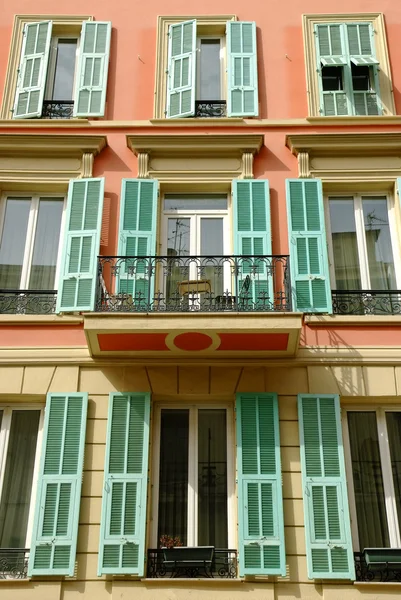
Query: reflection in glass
[(45, 249), (209, 70), (12, 247), (63, 86), (211, 244), (378, 244), (345, 248)]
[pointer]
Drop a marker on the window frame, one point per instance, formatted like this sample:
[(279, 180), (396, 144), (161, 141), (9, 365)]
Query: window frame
[(381, 49), (214, 26), (8, 409), (31, 231), (51, 67), (63, 26), (385, 462), (361, 239), (192, 518)]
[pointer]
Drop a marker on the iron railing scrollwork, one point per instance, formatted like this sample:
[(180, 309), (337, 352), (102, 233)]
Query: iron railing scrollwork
[(14, 563), (27, 302), (377, 573), (57, 109), (193, 283), (366, 302), (224, 566), (210, 108)]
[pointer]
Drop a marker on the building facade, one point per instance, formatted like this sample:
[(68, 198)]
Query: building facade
[(200, 275)]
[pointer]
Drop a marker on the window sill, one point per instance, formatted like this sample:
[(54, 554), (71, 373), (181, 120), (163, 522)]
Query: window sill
[(40, 319), (363, 584), (187, 580), (354, 320)]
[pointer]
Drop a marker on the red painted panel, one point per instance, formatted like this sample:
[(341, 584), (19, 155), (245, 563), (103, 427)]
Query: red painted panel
[(132, 341), (192, 340), (253, 341)]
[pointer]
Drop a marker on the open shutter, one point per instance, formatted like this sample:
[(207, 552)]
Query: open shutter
[(122, 535), (260, 501), (181, 70), (309, 261), (32, 70), (137, 237), (93, 64), (55, 530), (242, 69), (78, 273), (252, 237), (330, 50), (361, 51), (327, 522)]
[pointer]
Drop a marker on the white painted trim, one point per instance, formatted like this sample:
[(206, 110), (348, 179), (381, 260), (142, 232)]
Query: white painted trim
[(35, 479), (350, 482)]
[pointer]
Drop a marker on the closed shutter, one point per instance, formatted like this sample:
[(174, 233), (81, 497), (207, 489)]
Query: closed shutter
[(327, 522), (252, 237), (55, 530), (242, 69), (260, 502), (122, 535), (360, 38), (330, 49), (32, 70), (93, 64), (181, 70), (308, 247), (77, 286), (137, 237)]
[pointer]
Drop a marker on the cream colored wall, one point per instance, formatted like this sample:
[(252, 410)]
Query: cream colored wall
[(370, 384)]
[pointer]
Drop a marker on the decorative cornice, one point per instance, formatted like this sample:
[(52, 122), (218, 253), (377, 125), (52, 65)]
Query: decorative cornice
[(344, 144), (197, 145), (51, 145)]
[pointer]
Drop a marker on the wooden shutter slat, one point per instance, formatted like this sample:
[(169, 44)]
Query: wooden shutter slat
[(181, 68), (122, 537), (327, 522), (93, 64), (55, 530), (242, 69), (309, 263), (260, 503)]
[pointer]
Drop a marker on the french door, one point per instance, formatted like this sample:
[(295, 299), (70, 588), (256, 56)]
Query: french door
[(193, 475)]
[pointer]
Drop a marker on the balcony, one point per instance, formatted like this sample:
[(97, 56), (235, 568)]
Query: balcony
[(210, 109), (387, 570), (366, 302), (224, 566), (57, 109), (194, 284), (14, 563), (28, 302)]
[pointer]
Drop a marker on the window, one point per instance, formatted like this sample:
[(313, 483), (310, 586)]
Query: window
[(362, 244), (30, 241), (19, 443), (193, 466), (211, 67), (374, 476), (348, 71), (57, 69)]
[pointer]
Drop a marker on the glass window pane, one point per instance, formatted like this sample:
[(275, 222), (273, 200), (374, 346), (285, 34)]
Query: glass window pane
[(378, 243), (212, 478), (211, 244), (64, 71), (360, 78), (345, 249), (173, 475), (195, 202), (368, 480), (45, 249), (209, 70), (332, 79), (13, 240), (17, 486), (394, 439), (178, 237)]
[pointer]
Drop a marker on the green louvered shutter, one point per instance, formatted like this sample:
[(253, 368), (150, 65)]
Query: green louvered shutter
[(252, 237), (360, 38), (32, 70), (327, 521), (181, 78), (330, 50), (260, 500), (93, 64), (122, 534), (137, 237), (78, 273), (55, 529), (309, 263), (242, 69)]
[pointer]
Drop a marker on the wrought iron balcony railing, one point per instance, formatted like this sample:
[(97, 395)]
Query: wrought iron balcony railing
[(14, 563), (193, 283), (366, 302), (224, 565), (378, 573), (57, 109), (210, 108), (27, 302)]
